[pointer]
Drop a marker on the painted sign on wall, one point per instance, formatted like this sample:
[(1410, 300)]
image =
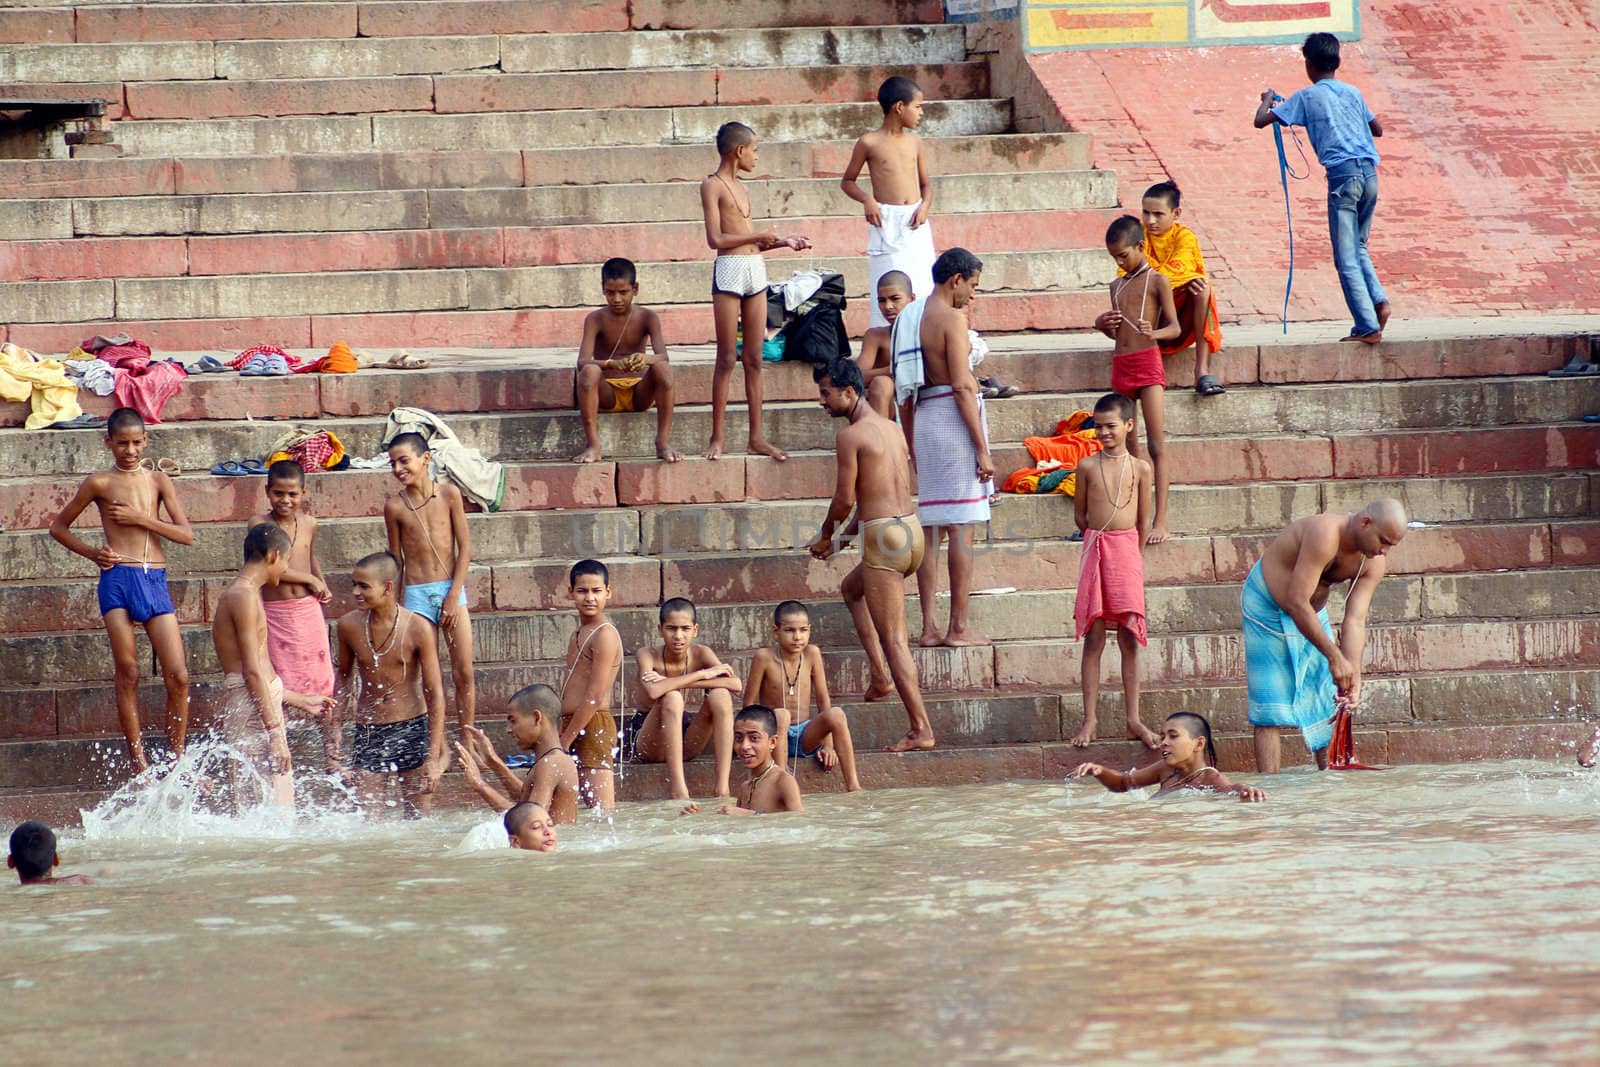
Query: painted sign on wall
[(980, 10), (1053, 25)]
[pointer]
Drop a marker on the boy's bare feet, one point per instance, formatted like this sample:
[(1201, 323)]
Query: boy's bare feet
[(915, 741), (1158, 534), (1383, 314), (965, 639), (759, 446), (1085, 736), (664, 452), (588, 455), (1587, 751), (714, 449), (1138, 731), (1371, 338), (877, 691), (931, 639)]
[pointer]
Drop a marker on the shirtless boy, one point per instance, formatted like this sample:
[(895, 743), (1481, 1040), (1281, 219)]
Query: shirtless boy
[(399, 706), (784, 678), (738, 282), (945, 423), (899, 237), (771, 789), (666, 676), (530, 827), (427, 526), (877, 358), (297, 632), (133, 573), (253, 688), (33, 856), (552, 781), (874, 480), (1142, 315), (594, 660), (614, 373), (1112, 509), (1295, 673)]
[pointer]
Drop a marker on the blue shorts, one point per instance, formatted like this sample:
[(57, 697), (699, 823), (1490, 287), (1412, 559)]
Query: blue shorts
[(795, 730), (141, 593), (427, 599)]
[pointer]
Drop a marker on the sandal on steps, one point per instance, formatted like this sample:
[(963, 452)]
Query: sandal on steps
[(1207, 385)]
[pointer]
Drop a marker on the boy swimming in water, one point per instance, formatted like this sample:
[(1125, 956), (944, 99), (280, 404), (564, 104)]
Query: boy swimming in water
[(529, 827), (399, 706), (770, 788), (33, 856), (427, 526), (666, 676), (594, 660), (1188, 761), (133, 573), (552, 781), (785, 678)]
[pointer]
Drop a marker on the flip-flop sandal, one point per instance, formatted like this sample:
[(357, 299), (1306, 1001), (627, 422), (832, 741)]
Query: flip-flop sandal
[(1207, 385), (1595, 417), (85, 421), (168, 466), (209, 365), (229, 469), (252, 466), (1576, 367), (1001, 389), (405, 361), (255, 367)]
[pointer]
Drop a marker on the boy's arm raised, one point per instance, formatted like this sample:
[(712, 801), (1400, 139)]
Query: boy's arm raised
[(852, 189), (605, 647), (61, 527), (474, 777)]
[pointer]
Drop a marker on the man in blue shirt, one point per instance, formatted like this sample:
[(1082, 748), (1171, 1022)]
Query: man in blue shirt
[(1341, 128)]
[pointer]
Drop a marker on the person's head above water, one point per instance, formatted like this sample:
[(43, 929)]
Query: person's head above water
[(755, 739), (1187, 735), (528, 827), (33, 851), (1379, 526)]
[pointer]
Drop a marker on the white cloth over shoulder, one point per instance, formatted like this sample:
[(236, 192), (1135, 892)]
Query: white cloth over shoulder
[(481, 480), (905, 351), (896, 246)]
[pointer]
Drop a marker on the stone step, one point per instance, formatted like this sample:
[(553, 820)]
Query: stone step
[(527, 413), (364, 171), (410, 132), (489, 246), (684, 323), (475, 289), (552, 206)]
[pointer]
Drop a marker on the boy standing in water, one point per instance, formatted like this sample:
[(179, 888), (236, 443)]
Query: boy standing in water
[(877, 356), (738, 282), (899, 237), (297, 632), (1174, 250), (666, 675), (784, 678), (1341, 127), (594, 660), (623, 378), (552, 781), (770, 789), (239, 632), (427, 526), (1112, 508), (399, 705), (133, 573), (1142, 315)]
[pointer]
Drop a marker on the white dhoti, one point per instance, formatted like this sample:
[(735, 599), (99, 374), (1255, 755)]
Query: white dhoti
[(949, 492), (896, 246)]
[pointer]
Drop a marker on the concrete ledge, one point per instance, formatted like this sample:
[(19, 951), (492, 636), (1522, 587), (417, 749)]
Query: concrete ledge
[(214, 22), (300, 96), (354, 57), (727, 46), (166, 61), (409, 18)]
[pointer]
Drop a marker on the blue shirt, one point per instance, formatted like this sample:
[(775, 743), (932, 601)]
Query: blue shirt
[(1336, 119)]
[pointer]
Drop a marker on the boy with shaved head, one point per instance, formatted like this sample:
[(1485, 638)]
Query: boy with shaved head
[(1296, 673)]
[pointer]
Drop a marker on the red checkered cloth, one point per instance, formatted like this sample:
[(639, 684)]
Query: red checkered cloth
[(313, 454), (250, 353)]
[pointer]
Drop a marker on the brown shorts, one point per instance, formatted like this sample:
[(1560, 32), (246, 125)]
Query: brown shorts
[(596, 745), (892, 544)]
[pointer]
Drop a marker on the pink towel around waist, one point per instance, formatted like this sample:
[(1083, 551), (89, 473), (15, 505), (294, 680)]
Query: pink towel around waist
[(1111, 582), (297, 645)]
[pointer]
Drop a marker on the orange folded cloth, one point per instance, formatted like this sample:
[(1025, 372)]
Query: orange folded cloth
[(339, 360)]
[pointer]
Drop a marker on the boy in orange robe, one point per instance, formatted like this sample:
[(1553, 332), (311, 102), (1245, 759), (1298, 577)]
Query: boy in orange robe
[(1174, 250)]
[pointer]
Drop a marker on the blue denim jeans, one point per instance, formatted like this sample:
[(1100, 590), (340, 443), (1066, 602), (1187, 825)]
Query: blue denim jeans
[(1352, 199)]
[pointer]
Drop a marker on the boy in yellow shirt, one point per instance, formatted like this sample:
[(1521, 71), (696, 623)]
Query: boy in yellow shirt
[(1174, 250)]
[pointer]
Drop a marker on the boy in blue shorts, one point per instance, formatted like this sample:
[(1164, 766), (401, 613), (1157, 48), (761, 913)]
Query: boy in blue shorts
[(133, 573), (1341, 128)]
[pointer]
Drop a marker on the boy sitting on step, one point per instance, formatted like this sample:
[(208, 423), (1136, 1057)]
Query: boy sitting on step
[(552, 781), (1174, 250), (666, 675), (623, 378), (877, 359), (771, 789), (784, 678)]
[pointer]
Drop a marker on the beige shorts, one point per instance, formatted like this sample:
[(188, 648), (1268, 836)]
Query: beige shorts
[(892, 544)]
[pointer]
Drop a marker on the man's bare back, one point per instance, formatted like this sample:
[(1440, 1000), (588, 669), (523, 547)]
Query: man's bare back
[(237, 620), (1315, 542), (883, 467)]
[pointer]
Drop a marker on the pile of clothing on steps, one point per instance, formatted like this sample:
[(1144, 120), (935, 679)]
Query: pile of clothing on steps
[(483, 481), (43, 384), (1056, 457)]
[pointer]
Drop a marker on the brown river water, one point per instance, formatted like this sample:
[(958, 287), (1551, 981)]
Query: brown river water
[(1420, 915)]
